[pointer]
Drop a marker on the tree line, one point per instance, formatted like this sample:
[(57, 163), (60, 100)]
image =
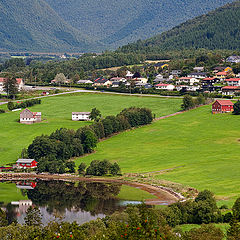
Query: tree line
[(24, 104), (53, 151)]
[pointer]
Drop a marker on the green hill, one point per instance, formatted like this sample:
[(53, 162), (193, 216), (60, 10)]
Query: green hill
[(32, 25), (218, 29), (118, 22)]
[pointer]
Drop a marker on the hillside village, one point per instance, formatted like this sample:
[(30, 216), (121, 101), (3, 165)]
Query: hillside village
[(220, 79)]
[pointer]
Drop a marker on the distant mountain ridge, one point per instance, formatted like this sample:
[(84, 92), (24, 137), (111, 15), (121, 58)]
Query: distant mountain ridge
[(218, 29), (118, 22), (32, 25), (90, 25)]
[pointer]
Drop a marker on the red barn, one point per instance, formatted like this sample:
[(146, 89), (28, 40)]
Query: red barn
[(26, 163), (222, 106)]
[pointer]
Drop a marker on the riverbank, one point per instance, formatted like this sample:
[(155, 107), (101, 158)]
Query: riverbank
[(164, 196)]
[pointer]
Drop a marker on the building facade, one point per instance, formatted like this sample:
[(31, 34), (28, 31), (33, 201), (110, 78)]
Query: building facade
[(81, 116)]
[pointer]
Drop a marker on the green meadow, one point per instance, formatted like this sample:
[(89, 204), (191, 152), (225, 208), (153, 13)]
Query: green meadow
[(201, 150), (56, 113)]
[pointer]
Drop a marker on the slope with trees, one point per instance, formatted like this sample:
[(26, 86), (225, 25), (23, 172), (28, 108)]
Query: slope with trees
[(217, 30)]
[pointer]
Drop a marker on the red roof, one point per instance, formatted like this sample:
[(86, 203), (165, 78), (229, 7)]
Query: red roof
[(187, 78), (19, 80), (233, 79), (224, 102), (208, 79), (162, 84), (231, 87), (221, 73)]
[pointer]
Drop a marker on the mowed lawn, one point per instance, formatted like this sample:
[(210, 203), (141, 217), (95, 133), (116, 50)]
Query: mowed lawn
[(203, 149), (56, 113)]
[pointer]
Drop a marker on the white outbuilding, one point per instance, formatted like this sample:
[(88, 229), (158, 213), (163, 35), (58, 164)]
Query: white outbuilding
[(81, 116)]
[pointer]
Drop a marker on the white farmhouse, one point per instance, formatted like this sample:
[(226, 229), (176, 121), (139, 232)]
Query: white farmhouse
[(80, 116)]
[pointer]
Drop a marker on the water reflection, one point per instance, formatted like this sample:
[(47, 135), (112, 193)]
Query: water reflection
[(69, 201)]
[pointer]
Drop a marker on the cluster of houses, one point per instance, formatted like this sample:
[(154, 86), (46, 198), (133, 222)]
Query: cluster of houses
[(221, 79)]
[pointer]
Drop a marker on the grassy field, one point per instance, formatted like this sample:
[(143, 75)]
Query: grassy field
[(9, 192), (56, 113), (134, 194), (202, 149)]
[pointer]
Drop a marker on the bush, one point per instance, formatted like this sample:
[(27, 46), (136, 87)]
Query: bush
[(2, 111), (101, 168)]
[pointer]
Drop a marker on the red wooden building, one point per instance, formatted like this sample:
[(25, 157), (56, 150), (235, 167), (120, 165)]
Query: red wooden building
[(26, 163), (222, 106)]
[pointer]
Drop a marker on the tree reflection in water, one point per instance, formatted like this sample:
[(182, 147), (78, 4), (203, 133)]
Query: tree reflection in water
[(93, 197)]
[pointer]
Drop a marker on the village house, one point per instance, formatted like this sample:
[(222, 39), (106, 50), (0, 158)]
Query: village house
[(233, 59), (198, 69), (84, 82), (197, 75), (118, 79), (176, 73), (222, 106), (221, 75), (26, 163), (81, 116), (160, 65), (230, 90), (188, 80), (188, 88), (20, 83), (28, 117), (129, 75), (143, 85), (233, 81), (102, 82), (162, 86)]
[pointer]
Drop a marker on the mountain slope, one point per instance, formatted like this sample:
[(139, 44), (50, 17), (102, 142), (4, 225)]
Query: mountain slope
[(117, 22), (32, 25), (217, 30)]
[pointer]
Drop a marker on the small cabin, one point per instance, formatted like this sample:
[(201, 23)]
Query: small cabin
[(81, 116), (28, 117), (222, 106), (26, 163)]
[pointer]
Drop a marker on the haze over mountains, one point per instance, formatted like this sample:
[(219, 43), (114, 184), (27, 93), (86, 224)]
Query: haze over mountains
[(90, 25)]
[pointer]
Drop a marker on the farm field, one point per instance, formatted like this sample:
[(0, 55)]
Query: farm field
[(200, 150), (56, 113)]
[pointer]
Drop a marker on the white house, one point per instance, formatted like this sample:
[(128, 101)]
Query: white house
[(84, 82), (198, 75), (162, 86), (198, 69), (20, 83), (188, 88), (80, 116), (129, 75), (28, 117), (233, 81), (188, 80)]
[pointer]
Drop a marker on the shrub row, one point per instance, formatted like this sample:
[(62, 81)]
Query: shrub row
[(54, 150), (100, 168), (24, 104)]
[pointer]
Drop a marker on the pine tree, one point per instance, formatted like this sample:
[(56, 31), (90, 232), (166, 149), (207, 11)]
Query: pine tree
[(33, 217)]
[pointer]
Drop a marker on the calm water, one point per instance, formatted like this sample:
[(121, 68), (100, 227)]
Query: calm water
[(78, 201)]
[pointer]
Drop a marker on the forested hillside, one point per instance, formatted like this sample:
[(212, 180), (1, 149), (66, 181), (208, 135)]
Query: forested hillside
[(32, 25), (82, 26), (118, 22), (217, 30)]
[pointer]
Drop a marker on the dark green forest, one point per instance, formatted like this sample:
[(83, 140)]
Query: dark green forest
[(217, 30)]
